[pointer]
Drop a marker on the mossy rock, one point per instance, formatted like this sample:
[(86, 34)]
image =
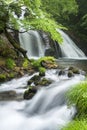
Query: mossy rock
[(44, 82), (28, 95), (30, 92), (11, 75), (35, 79), (74, 70), (49, 64), (61, 72), (46, 62), (10, 63), (6, 50), (25, 63), (70, 74), (2, 77), (42, 71)]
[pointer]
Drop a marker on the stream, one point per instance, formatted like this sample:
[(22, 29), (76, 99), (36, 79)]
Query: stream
[(47, 110)]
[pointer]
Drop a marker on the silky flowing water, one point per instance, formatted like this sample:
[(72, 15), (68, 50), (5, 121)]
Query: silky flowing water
[(33, 43), (36, 46), (47, 110)]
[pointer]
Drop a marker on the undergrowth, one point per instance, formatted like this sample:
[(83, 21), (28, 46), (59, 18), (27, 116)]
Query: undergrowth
[(78, 96), (76, 125)]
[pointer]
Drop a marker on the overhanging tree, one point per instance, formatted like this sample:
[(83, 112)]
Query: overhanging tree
[(11, 17)]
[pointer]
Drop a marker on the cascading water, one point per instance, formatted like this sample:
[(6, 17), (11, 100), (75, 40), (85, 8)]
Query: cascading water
[(36, 46), (32, 42), (47, 110), (69, 48)]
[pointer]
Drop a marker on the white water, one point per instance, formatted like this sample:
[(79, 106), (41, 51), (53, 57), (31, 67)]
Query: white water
[(69, 48), (35, 46), (47, 110), (32, 42)]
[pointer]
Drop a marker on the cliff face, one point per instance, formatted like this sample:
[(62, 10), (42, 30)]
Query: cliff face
[(6, 49)]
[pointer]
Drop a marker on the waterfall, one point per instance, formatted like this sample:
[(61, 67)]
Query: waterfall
[(47, 110), (69, 48), (37, 46), (32, 42)]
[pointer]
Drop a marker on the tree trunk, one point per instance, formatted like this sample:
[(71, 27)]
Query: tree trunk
[(15, 44)]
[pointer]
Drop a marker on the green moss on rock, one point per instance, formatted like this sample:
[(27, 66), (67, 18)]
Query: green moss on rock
[(30, 92), (2, 77), (25, 63), (74, 70), (44, 82), (10, 63), (42, 71)]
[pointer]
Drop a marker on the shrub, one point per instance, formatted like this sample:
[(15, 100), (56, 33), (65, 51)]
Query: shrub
[(37, 63), (78, 96), (25, 63), (42, 71), (10, 63), (2, 77)]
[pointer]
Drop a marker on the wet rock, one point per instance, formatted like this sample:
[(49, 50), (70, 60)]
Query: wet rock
[(17, 69), (70, 74), (74, 70), (28, 94), (71, 68), (21, 73), (49, 64), (61, 72), (35, 79), (44, 82), (8, 95), (49, 52), (42, 71), (2, 77)]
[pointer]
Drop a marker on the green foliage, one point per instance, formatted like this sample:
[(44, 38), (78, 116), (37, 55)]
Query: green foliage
[(47, 25), (60, 9), (84, 21), (2, 77), (76, 125), (3, 14), (11, 75), (44, 82), (47, 58), (37, 63), (42, 70), (25, 63), (10, 63), (34, 18), (78, 96)]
